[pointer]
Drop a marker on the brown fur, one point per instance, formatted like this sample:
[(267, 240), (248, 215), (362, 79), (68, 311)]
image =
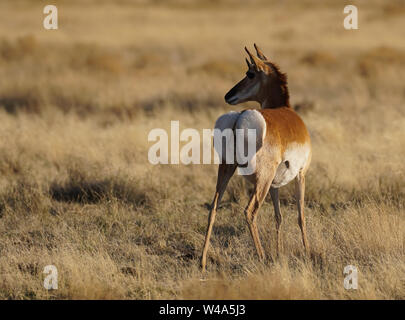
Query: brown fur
[(284, 127), (278, 88)]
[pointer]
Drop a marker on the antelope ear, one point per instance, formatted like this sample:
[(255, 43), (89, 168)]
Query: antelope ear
[(260, 53)]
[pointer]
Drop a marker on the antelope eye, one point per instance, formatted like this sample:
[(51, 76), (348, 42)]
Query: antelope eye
[(250, 74)]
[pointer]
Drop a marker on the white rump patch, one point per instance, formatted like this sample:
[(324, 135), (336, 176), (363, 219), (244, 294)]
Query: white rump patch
[(227, 120), (238, 137), (253, 127), (225, 125)]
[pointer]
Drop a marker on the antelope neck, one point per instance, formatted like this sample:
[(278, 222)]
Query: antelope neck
[(277, 97)]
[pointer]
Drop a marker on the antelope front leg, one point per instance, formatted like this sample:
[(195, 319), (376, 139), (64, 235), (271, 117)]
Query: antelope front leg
[(277, 213), (299, 194), (225, 172)]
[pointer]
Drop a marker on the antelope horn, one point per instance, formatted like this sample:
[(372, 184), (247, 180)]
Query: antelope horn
[(248, 63), (260, 53), (253, 59)]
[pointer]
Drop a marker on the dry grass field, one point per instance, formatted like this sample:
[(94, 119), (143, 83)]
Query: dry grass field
[(77, 190)]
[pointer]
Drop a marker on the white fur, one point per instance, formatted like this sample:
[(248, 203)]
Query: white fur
[(297, 156), (226, 121), (251, 119)]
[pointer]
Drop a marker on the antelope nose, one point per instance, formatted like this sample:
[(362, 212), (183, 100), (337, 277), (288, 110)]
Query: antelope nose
[(229, 96)]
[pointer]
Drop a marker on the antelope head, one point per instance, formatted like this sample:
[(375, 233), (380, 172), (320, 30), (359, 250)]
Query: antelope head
[(263, 83)]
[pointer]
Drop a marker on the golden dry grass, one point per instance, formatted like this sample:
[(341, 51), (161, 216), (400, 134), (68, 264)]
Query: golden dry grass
[(77, 190)]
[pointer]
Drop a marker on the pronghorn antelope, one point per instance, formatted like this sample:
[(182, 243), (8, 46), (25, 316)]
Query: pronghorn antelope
[(283, 146)]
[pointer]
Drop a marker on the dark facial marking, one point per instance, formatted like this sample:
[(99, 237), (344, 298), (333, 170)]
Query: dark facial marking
[(250, 74)]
